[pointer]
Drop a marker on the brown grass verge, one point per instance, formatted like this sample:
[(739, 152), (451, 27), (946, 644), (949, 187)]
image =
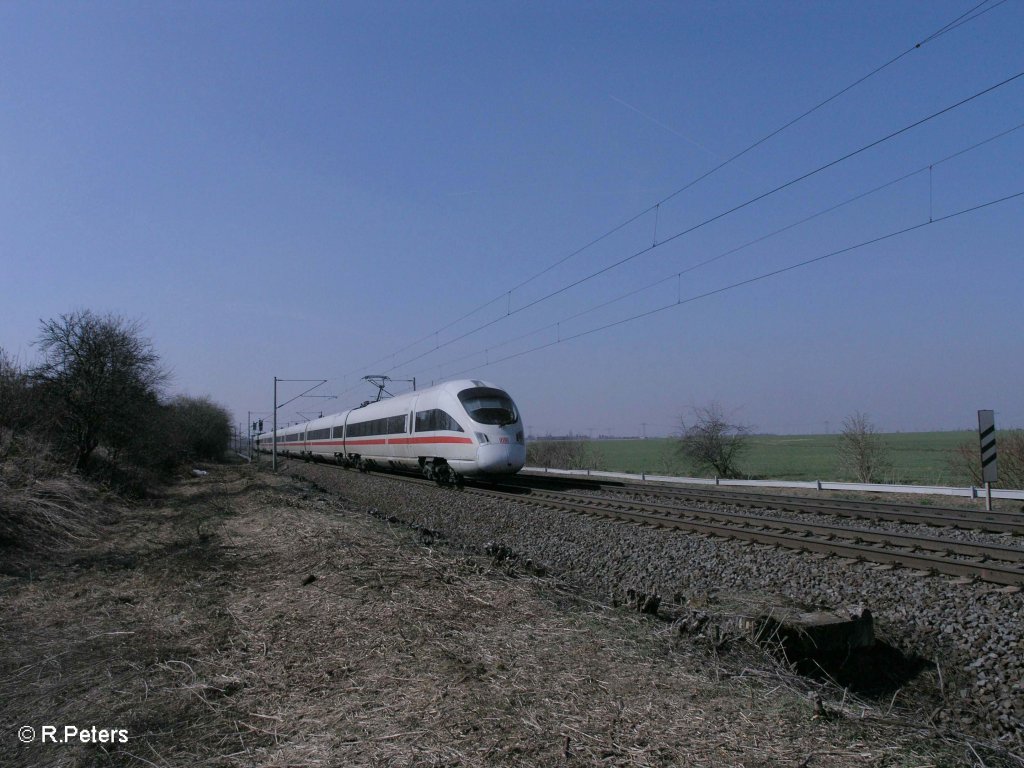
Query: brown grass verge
[(245, 619)]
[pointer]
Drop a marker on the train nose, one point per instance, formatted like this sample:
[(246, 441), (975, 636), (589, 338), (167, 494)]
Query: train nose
[(501, 458)]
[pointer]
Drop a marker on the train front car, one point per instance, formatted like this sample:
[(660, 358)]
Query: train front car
[(494, 422)]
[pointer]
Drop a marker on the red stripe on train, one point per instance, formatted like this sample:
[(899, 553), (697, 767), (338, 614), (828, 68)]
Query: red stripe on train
[(427, 440), (437, 440)]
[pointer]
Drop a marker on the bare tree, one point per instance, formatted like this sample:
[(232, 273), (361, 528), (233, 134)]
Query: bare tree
[(101, 379), (711, 443), (965, 460), (862, 452)]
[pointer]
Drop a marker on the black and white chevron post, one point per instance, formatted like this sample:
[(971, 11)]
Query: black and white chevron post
[(987, 433), (987, 436)]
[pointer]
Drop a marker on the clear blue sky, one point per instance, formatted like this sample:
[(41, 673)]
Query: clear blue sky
[(303, 190)]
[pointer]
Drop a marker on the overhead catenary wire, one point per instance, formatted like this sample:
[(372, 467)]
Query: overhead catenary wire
[(968, 16), (717, 217), (964, 18), (678, 275), (747, 281)]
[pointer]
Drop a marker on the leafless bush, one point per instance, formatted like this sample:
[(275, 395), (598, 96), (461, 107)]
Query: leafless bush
[(199, 428), (94, 400), (862, 452), (965, 460), (186, 429), (18, 410), (710, 443), (562, 454)]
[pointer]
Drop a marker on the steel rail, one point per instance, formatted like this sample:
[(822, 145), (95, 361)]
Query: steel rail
[(998, 573), (995, 522), (908, 541), (827, 540)]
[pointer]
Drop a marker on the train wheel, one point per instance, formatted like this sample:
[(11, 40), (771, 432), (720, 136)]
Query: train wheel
[(442, 475)]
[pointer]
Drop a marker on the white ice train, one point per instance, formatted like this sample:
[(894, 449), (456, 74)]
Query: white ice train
[(456, 429)]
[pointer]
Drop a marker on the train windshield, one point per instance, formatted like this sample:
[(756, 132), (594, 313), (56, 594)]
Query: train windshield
[(489, 406)]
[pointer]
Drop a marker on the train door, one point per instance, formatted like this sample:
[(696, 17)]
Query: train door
[(407, 450)]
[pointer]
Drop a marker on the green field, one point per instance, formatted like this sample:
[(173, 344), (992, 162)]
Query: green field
[(916, 457)]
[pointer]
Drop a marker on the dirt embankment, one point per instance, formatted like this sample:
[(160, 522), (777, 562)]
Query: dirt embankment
[(247, 619)]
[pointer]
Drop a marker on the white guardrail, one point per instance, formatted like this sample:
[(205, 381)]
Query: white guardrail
[(819, 485)]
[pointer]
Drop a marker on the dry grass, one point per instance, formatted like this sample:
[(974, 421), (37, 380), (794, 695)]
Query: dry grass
[(45, 512), (247, 620)]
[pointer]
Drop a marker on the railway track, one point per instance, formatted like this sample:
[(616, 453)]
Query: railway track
[(991, 563), (946, 517)]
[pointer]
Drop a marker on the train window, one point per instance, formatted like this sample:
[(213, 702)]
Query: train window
[(445, 421), (436, 420), (339, 432), (362, 429), (391, 425), (320, 434), (489, 406)]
